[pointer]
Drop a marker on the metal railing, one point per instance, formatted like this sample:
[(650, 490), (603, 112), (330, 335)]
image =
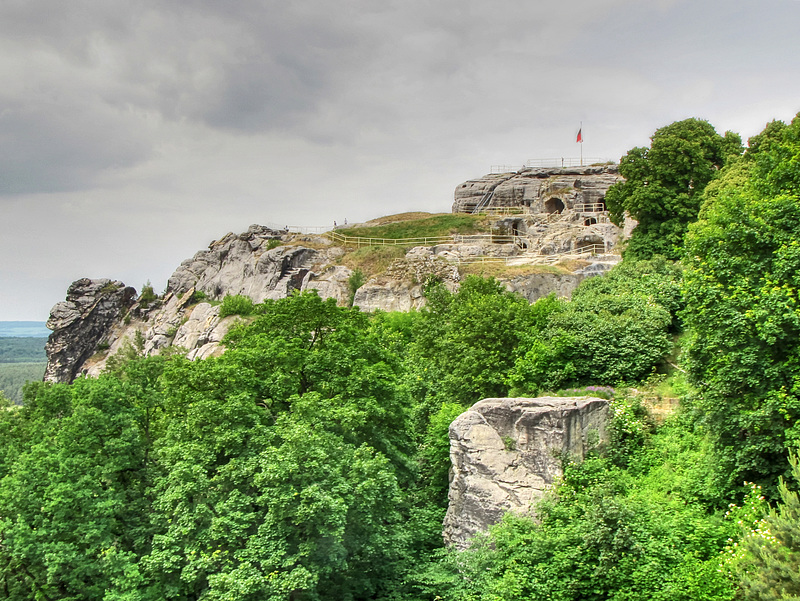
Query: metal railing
[(298, 229), (503, 211), (553, 162), (359, 241), (566, 162), (528, 256), (590, 207), (504, 169)]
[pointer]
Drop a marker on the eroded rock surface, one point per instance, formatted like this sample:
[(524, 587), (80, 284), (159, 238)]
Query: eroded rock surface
[(81, 322), (542, 190), (100, 317), (506, 452)]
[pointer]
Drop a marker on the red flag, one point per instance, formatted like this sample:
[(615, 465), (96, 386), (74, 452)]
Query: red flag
[(580, 137)]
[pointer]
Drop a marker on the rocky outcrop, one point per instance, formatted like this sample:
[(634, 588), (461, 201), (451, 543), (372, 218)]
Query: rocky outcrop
[(538, 285), (253, 264), (80, 324), (542, 190), (506, 452), (261, 263), (548, 212)]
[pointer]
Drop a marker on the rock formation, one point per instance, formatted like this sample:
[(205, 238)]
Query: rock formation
[(80, 324), (548, 211), (506, 452), (541, 190), (557, 212)]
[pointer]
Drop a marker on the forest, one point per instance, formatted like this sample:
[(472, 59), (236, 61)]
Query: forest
[(22, 359), (310, 461)]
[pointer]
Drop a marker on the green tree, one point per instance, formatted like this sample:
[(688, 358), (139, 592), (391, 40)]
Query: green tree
[(280, 463), (664, 183), (617, 327), (73, 507), (771, 570), (742, 286), (464, 343)]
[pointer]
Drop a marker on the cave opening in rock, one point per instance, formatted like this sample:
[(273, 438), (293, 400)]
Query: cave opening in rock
[(589, 221), (593, 244), (553, 205)]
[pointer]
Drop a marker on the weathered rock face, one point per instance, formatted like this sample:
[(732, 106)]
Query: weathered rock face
[(245, 264), (542, 190), (81, 322), (506, 452), (260, 263), (538, 285)]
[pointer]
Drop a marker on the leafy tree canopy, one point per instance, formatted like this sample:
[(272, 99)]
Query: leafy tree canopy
[(741, 290), (664, 183)]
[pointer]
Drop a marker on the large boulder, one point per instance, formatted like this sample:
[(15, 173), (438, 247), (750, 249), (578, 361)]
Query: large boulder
[(505, 453)]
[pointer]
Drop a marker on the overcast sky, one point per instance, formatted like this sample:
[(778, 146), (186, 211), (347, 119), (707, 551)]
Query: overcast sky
[(135, 132)]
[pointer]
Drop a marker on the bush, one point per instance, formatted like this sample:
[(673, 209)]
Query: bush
[(354, 282), (236, 304), (147, 296), (198, 296)]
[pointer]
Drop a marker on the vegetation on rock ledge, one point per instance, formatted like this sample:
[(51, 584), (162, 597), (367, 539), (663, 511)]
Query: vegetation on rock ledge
[(309, 462)]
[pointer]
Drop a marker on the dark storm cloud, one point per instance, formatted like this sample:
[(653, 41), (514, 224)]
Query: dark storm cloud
[(147, 128), (90, 84)]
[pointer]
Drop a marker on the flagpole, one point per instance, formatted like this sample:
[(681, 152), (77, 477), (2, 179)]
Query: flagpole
[(581, 130)]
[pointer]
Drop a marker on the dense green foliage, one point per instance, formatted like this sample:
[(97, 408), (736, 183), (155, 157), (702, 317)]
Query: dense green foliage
[(741, 289), (281, 470), (616, 328), (635, 532), (13, 376), (22, 350), (664, 184), (310, 461)]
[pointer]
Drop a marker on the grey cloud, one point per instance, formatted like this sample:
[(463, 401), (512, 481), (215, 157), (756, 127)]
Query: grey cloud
[(50, 145)]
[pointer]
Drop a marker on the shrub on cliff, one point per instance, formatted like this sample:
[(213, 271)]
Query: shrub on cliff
[(236, 304), (616, 328)]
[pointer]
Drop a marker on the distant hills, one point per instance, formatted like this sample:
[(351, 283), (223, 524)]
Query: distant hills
[(23, 329)]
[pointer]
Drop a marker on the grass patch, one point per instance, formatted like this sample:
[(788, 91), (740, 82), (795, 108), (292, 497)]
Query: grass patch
[(395, 226), (501, 270), (572, 265), (372, 260)]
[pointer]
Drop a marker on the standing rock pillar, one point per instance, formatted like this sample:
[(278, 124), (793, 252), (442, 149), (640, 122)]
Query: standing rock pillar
[(506, 452)]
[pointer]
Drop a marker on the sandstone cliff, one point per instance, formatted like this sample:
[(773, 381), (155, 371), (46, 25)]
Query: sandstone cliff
[(81, 322), (548, 211), (542, 190), (506, 452)]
